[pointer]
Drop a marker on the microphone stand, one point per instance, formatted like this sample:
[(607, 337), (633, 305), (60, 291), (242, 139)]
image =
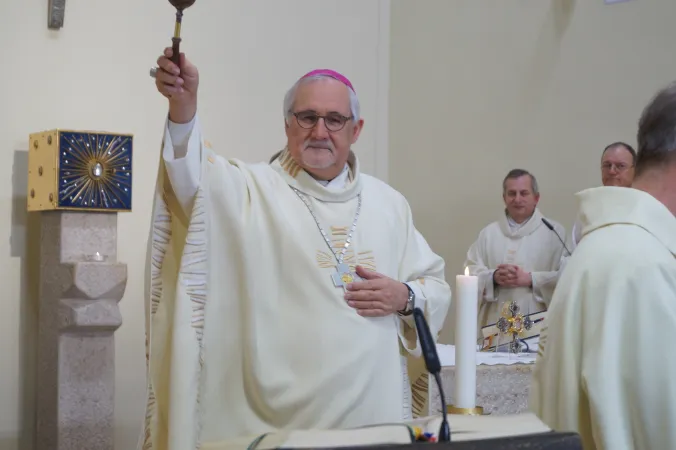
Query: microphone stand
[(551, 227), (445, 429), (433, 365)]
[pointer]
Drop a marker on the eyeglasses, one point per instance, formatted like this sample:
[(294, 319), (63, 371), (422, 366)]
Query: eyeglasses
[(620, 167), (332, 121)]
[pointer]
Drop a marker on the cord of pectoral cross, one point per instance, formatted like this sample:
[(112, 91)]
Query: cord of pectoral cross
[(348, 240)]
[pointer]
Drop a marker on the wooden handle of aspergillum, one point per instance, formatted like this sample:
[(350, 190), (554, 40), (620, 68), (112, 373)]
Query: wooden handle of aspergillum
[(180, 5), (176, 51), (176, 40)]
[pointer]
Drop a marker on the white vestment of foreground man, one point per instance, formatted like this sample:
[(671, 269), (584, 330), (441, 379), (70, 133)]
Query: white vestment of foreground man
[(247, 332), (605, 367)]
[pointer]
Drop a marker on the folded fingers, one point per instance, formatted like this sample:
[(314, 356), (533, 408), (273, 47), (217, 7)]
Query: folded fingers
[(363, 296)]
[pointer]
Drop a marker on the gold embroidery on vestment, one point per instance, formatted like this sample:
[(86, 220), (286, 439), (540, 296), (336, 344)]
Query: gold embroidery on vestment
[(288, 164), (327, 260)]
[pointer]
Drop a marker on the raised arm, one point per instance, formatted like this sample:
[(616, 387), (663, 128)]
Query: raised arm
[(183, 149), (179, 86), (182, 135)]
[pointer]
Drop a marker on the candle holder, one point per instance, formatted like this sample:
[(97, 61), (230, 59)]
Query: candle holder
[(476, 411), (96, 257)]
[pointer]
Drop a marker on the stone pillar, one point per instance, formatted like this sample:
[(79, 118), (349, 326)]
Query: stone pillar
[(78, 181), (81, 283)]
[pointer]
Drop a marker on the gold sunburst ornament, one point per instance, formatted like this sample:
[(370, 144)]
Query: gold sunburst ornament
[(80, 170), (513, 323), (347, 278)]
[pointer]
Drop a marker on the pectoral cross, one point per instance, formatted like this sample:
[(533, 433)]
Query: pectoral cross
[(56, 14), (344, 276)]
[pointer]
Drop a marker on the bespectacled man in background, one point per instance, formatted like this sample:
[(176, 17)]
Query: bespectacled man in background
[(617, 169)]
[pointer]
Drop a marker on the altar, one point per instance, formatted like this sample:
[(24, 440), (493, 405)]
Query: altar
[(503, 381)]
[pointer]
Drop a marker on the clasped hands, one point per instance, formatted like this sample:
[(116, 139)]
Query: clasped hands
[(510, 275), (377, 295)]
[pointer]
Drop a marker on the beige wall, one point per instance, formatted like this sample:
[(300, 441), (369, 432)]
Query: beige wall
[(93, 74), (481, 87), (476, 89)]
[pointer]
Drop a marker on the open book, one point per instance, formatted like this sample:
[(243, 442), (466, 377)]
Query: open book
[(463, 428)]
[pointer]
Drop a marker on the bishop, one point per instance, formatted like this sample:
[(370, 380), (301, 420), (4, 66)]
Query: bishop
[(281, 292)]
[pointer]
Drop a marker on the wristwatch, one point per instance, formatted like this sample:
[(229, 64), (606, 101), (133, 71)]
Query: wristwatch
[(409, 303)]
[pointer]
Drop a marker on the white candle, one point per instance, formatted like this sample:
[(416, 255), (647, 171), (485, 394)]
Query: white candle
[(466, 307)]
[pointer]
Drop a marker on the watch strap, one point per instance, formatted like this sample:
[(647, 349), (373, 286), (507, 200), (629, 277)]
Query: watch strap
[(409, 304)]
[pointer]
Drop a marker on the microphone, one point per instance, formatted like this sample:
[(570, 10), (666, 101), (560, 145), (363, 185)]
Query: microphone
[(429, 351), (549, 225)]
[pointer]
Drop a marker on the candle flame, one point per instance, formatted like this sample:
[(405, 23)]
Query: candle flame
[(466, 271)]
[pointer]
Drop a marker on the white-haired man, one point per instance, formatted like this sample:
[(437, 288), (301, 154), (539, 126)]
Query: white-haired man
[(604, 368), (281, 291)]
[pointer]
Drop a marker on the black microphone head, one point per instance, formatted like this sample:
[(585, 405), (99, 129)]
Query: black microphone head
[(547, 224), (427, 345)]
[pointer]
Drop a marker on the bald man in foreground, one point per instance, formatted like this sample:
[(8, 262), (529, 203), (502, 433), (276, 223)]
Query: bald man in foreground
[(604, 367)]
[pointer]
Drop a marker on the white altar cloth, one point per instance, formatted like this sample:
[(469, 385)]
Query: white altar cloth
[(447, 357)]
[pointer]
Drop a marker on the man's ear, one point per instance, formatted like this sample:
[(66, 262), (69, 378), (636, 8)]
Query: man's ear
[(356, 131)]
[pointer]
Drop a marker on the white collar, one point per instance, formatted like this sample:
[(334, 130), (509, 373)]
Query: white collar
[(337, 183), (609, 205), (514, 225)]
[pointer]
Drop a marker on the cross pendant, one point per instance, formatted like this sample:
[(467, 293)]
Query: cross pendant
[(343, 276)]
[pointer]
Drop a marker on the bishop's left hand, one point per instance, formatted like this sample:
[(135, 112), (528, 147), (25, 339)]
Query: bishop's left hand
[(377, 295)]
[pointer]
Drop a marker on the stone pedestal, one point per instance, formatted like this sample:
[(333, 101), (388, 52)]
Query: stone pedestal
[(501, 389), (81, 283)]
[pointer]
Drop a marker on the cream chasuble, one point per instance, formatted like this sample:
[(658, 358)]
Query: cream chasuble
[(247, 331), (533, 247), (604, 367), (576, 234)]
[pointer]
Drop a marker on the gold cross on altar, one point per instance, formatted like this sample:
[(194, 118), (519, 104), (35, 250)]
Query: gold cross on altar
[(513, 323)]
